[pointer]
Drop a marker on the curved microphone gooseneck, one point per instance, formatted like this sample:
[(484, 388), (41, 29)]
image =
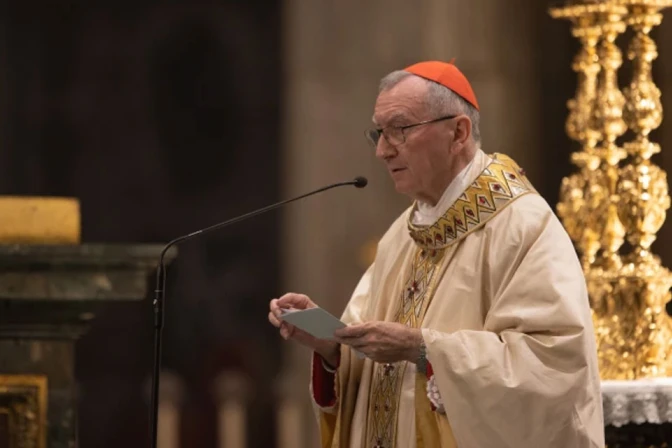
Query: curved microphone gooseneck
[(159, 292)]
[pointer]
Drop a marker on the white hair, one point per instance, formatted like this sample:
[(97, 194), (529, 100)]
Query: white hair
[(440, 100)]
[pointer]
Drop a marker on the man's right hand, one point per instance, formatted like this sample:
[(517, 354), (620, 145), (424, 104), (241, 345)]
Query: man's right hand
[(329, 350)]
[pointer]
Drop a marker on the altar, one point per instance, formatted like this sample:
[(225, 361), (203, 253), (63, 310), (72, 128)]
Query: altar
[(49, 295), (638, 413), (51, 289)]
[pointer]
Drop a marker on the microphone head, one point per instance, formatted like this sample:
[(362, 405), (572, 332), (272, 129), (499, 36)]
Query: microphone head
[(360, 182)]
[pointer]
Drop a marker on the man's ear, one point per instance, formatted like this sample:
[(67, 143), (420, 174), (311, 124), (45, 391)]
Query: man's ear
[(461, 134), (462, 130)]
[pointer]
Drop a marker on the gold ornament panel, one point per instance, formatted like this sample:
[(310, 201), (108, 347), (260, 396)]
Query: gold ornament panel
[(619, 194), (23, 411)]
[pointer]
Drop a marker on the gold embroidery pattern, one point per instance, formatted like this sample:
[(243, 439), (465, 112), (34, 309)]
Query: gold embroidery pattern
[(415, 299), (419, 287), (501, 182)]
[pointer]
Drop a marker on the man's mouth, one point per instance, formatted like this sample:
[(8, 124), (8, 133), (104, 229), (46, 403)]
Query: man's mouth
[(396, 170)]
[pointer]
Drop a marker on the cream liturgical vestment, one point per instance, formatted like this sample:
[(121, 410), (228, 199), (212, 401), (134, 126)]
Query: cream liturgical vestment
[(497, 289)]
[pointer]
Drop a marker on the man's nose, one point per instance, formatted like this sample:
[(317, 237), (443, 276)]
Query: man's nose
[(384, 150)]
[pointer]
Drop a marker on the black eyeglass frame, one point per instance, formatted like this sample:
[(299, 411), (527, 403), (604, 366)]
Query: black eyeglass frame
[(373, 134)]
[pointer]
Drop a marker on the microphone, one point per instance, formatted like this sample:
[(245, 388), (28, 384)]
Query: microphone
[(360, 182), (159, 292)]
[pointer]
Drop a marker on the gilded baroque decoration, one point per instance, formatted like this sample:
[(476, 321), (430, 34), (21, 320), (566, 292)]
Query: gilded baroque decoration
[(618, 194), (23, 401)]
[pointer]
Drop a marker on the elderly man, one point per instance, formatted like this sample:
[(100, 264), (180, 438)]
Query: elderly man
[(472, 328)]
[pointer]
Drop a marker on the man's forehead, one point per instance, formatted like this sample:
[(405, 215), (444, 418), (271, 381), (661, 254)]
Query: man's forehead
[(391, 117), (405, 100), (391, 112)]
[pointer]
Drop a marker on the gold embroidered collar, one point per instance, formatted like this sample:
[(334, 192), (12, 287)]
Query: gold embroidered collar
[(500, 183)]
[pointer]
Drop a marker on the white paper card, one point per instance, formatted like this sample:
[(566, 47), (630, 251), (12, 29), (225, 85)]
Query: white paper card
[(315, 321)]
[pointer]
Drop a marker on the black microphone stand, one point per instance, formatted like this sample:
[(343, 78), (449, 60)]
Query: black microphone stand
[(159, 292)]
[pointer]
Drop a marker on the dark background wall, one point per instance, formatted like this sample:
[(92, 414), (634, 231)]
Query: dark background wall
[(161, 117)]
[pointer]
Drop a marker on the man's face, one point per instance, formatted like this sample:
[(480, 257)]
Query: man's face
[(420, 166)]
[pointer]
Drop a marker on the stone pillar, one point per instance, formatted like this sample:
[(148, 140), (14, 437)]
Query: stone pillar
[(48, 295), (335, 53)]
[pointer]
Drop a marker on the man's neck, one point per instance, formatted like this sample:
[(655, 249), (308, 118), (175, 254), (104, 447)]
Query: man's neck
[(463, 160), (427, 212)]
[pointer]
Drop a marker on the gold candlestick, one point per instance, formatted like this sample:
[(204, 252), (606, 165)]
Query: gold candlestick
[(643, 186), (603, 275), (644, 283), (608, 118), (605, 203), (573, 207)]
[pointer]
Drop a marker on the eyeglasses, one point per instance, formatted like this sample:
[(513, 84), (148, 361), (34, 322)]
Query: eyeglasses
[(395, 135)]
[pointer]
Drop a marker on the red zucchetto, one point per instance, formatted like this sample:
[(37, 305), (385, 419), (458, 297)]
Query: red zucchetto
[(446, 74)]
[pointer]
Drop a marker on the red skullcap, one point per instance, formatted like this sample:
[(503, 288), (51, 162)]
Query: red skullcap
[(446, 74)]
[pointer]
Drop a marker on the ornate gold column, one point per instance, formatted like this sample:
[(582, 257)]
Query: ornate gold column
[(575, 188), (619, 194), (645, 284)]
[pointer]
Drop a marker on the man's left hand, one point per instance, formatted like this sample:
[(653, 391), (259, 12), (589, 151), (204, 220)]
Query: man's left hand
[(382, 341)]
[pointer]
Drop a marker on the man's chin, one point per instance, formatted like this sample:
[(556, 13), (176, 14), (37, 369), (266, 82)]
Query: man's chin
[(403, 188)]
